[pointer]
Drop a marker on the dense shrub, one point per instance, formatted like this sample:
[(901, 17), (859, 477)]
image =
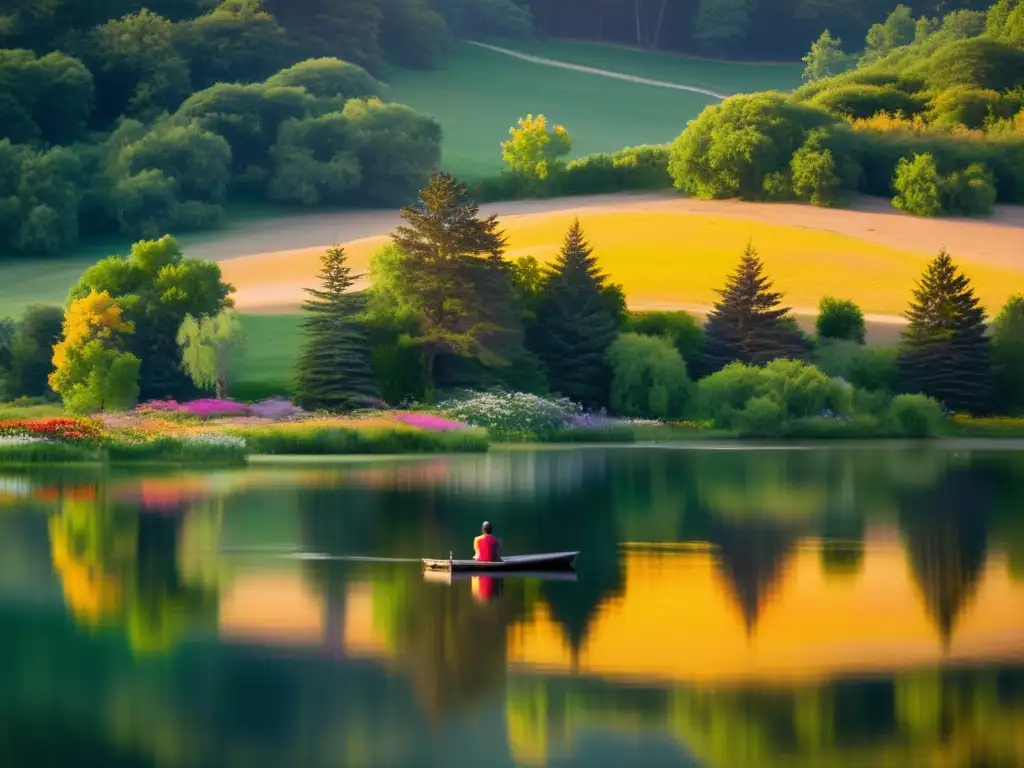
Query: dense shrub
[(840, 319), (329, 78), (914, 416), (866, 368), (734, 147), (648, 377), (681, 328), (629, 169), (972, 107), (976, 62), (867, 100), (917, 184), (798, 389), (815, 174), (1008, 356), (970, 192)]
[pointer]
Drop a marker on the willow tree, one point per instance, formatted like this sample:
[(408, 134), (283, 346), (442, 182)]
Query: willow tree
[(209, 346)]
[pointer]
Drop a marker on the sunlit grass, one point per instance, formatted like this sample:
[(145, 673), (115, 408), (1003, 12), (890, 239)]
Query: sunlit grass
[(667, 258)]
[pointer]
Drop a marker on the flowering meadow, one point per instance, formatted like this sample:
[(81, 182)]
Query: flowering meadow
[(208, 429)]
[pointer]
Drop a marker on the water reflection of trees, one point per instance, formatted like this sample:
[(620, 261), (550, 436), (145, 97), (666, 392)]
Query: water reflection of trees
[(120, 567)]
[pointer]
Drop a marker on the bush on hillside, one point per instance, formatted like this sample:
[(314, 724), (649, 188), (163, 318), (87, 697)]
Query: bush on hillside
[(814, 173), (328, 78), (914, 416), (867, 100), (734, 147), (918, 186), (972, 107), (977, 62), (839, 319)]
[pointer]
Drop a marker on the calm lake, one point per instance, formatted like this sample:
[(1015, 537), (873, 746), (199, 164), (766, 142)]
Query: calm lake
[(826, 607)]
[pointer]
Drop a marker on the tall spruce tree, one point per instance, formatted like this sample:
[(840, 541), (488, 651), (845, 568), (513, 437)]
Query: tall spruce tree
[(575, 323), (334, 371), (945, 352), (451, 253), (748, 323)]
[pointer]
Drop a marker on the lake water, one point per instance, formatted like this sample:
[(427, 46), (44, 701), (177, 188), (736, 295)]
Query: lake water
[(827, 607)]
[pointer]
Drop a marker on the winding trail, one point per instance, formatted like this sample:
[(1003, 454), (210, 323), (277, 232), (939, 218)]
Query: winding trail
[(595, 71)]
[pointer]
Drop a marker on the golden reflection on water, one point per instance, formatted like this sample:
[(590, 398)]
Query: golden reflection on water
[(680, 619)]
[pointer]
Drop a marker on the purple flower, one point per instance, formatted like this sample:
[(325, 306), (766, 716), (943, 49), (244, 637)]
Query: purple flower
[(428, 421), (210, 407), (590, 421), (275, 408)]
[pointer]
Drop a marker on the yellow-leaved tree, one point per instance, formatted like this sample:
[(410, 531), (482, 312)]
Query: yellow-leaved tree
[(92, 371), (535, 150)]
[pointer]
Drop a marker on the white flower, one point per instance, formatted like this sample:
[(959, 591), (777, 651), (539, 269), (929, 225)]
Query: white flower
[(214, 440), (22, 440)]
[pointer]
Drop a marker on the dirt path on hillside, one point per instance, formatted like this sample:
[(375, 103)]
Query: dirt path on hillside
[(996, 241), (595, 71)]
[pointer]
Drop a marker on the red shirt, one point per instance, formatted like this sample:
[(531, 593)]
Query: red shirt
[(487, 548)]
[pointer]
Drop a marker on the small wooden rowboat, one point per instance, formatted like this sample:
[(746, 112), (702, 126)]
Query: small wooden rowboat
[(553, 561)]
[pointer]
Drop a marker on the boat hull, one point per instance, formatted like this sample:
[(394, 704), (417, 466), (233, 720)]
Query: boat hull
[(554, 561), (447, 577)]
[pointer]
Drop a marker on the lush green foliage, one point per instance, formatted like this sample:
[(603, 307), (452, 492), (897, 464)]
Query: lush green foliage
[(914, 416), (681, 328), (748, 324), (945, 351), (649, 377), (871, 368), (334, 371), (1008, 356), (157, 287), (535, 151), (153, 124), (26, 352), (920, 189), (209, 347), (761, 400), (91, 369), (575, 324), (840, 319)]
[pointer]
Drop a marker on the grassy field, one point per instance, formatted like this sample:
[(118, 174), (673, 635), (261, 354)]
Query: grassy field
[(665, 259), (479, 94), (268, 360), (722, 76)]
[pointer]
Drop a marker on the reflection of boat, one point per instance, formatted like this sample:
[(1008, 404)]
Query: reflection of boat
[(447, 577), (553, 561)]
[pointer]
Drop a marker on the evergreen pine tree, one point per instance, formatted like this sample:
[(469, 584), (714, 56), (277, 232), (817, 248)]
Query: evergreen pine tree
[(333, 371), (575, 324), (447, 245), (748, 324), (945, 352)]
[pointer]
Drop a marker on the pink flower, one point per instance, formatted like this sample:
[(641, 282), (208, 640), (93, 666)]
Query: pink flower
[(428, 421)]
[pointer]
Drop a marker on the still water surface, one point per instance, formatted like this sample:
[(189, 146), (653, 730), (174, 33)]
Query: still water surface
[(829, 607)]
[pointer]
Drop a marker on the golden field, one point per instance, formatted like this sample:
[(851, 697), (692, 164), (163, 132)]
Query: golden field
[(669, 257)]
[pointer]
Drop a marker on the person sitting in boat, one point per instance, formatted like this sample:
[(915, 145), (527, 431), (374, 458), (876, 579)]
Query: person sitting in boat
[(487, 546)]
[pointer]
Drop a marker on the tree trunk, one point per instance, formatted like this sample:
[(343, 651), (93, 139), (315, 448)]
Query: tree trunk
[(657, 27)]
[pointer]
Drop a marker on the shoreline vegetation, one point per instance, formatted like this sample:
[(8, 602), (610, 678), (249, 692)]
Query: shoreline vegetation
[(143, 438)]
